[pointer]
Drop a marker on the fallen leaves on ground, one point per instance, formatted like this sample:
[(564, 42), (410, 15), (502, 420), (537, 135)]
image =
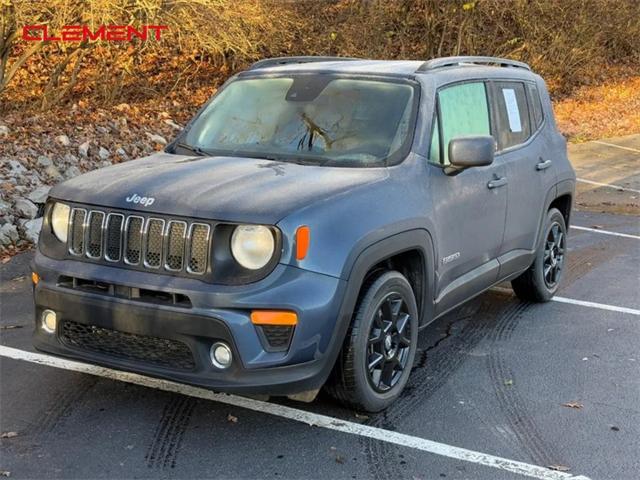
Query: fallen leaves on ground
[(232, 418), (576, 405), (10, 327), (601, 111), (8, 434), (5, 473), (508, 382)]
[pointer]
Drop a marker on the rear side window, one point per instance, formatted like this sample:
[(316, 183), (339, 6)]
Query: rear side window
[(536, 105), (512, 114), (463, 111)]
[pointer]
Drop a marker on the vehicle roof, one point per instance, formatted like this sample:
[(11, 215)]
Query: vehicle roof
[(398, 68)]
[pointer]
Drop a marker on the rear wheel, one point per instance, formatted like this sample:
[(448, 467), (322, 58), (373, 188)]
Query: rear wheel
[(540, 282), (380, 346)]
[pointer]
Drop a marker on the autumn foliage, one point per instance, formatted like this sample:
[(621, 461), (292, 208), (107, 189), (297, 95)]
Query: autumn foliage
[(572, 43)]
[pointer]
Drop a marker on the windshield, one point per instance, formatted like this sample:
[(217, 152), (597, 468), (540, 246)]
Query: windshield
[(316, 119)]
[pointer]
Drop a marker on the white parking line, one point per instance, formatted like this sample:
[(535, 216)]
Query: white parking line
[(601, 306), (302, 416), (605, 232), (616, 187), (582, 303), (616, 146)]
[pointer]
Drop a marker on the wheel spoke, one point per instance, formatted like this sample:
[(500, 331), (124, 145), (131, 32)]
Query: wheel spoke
[(376, 336), (394, 307), (375, 360), (547, 251), (404, 341), (386, 376), (387, 326), (547, 270), (387, 313), (403, 321), (379, 319)]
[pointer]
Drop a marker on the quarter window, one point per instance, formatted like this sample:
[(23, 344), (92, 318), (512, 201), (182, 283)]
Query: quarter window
[(536, 104), (463, 111), (512, 115)]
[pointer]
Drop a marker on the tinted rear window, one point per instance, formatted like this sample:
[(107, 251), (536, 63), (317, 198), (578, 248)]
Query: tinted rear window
[(512, 114)]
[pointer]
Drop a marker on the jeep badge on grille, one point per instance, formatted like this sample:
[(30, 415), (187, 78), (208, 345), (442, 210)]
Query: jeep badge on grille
[(144, 201)]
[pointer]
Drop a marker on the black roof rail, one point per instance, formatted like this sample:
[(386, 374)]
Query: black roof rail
[(274, 62), (455, 61)]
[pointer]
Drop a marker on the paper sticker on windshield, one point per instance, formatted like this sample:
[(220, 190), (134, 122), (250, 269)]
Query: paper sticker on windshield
[(512, 109)]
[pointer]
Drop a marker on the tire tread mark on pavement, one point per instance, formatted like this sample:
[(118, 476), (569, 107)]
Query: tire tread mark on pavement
[(64, 403), (584, 260), (510, 401), (167, 439), (432, 371)]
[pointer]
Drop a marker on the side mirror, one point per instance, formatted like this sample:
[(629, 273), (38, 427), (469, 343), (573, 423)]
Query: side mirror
[(471, 151)]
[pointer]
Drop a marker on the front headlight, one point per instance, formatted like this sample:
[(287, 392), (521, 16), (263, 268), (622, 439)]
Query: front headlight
[(60, 221), (252, 246)]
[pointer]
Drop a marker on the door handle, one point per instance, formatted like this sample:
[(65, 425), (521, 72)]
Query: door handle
[(498, 182), (543, 165)]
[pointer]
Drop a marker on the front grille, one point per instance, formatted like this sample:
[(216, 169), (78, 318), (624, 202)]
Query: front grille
[(199, 245), (133, 235), (113, 242), (94, 234), (153, 350), (152, 243), (136, 294), (175, 245), (76, 230)]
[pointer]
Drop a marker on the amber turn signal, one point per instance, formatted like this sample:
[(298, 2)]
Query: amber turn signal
[(274, 317), (303, 236), (35, 278)]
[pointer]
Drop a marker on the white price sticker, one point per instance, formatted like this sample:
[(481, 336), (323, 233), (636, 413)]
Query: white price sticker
[(513, 113)]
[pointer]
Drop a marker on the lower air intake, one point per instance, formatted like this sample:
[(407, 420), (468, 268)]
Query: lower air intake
[(153, 350)]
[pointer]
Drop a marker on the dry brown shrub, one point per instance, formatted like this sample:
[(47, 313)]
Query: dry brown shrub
[(570, 42)]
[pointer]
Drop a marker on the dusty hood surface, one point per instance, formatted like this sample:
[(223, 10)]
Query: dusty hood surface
[(219, 188)]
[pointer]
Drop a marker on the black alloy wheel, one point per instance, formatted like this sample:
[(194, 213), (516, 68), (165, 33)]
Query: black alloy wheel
[(389, 343), (554, 255)]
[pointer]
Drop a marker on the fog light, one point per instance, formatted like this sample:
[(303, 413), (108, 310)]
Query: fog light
[(220, 355), (49, 321)]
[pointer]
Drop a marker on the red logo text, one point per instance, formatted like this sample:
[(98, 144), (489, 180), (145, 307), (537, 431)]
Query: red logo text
[(80, 33)]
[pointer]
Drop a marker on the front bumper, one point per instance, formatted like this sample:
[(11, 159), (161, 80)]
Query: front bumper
[(217, 313)]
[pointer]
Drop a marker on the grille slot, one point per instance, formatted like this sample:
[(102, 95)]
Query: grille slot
[(94, 234), (133, 250), (199, 248), (168, 244), (176, 234), (153, 243), (278, 337), (113, 242), (76, 231), (154, 350)]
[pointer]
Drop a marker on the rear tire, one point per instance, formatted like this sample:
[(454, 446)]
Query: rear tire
[(380, 346), (540, 282)]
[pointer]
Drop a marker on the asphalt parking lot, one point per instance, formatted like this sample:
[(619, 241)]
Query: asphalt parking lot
[(500, 388)]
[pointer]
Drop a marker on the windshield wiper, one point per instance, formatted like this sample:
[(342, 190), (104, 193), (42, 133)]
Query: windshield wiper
[(192, 148)]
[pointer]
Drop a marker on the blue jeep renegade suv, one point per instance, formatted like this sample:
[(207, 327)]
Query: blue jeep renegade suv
[(307, 223)]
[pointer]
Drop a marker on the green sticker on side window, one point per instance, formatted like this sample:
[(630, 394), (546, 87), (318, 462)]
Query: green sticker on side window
[(464, 111)]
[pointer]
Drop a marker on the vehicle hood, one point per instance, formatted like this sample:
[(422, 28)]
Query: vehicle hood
[(219, 188)]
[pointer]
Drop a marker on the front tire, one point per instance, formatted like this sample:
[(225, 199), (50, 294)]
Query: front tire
[(380, 346), (540, 282)]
